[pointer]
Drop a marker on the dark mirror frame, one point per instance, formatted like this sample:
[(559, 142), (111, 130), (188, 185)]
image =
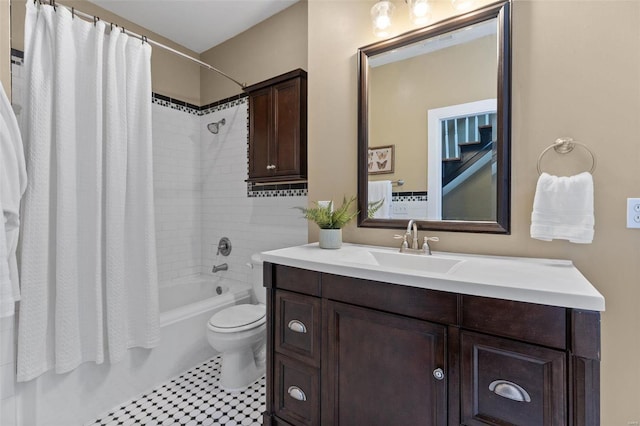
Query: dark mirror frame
[(501, 11)]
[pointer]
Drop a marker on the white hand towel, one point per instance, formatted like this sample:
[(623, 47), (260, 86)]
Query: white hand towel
[(379, 190), (563, 208), (13, 181)]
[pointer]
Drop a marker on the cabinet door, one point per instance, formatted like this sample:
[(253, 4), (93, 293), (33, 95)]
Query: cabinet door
[(380, 369), (297, 392), (287, 134), (260, 131), (297, 326), (505, 382)]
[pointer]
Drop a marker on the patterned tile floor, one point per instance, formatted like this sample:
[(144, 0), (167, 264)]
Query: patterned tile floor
[(194, 398)]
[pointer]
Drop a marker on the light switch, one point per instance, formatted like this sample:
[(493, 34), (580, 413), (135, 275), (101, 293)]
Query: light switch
[(633, 213)]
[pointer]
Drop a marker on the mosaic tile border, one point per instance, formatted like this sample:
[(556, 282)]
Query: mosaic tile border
[(409, 196), (179, 105), (277, 190)]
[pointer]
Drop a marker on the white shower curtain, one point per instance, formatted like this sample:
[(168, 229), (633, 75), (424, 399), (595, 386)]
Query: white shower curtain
[(88, 256)]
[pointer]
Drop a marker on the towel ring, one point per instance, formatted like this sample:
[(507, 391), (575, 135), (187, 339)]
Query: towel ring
[(565, 146)]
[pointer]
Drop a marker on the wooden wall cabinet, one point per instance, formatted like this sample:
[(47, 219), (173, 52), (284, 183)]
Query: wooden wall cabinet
[(278, 128), (347, 351)]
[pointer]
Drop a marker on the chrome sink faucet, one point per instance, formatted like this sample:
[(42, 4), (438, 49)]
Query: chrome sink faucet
[(412, 234), (414, 240)]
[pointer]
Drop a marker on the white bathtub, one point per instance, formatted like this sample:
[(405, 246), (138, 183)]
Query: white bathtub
[(91, 390)]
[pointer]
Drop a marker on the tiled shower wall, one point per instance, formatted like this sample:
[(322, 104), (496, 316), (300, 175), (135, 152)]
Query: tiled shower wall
[(177, 192), (201, 195), (253, 224)]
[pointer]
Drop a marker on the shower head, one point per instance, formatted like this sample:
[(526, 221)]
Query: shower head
[(215, 127)]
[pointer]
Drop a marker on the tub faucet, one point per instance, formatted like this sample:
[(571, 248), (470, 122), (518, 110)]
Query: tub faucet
[(218, 268)]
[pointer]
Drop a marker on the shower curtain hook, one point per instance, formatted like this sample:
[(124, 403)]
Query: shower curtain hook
[(53, 3), (95, 20), (73, 13)]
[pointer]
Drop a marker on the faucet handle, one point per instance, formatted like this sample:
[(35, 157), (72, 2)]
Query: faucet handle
[(425, 244), (405, 244)]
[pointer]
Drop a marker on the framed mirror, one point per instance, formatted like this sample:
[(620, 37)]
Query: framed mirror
[(434, 126)]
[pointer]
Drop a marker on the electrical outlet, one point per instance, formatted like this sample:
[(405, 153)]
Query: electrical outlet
[(633, 212), (400, 209), (633, 424)]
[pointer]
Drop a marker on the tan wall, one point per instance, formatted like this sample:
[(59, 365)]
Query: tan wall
[(398, 106), (5, 46), (171, 75), (474, 199), (567, 80), (270, 48)]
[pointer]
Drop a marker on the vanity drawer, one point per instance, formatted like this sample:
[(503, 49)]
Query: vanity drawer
[(419, 303), (540, 324), (297, 326), (505, 382), (296, 279), (297, 391)]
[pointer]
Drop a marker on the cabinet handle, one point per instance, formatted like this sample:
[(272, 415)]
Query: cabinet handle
[(297, 326), (296, 393), (509, 390), (438, 373), (271, 166)]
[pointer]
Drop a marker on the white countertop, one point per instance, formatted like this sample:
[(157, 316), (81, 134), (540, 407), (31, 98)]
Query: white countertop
[(542, 281)]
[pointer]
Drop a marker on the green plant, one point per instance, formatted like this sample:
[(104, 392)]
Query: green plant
[(327, 218), (373, 207)]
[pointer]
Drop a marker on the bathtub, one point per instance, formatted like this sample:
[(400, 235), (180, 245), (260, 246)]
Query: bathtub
[(91, 390)]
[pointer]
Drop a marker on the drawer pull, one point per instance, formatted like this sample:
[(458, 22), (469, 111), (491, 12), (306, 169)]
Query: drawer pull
[(296, 393), (509, 390), (297, 326), (438, 373)]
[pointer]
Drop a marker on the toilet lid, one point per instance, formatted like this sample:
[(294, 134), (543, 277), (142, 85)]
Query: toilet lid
[(239, 316)]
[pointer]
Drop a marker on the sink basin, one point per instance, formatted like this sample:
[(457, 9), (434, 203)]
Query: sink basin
[(416, 262)]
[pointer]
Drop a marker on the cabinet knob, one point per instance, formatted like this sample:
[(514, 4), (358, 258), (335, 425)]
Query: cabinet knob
[(438, 373), (296, 393), (297, 326), (509, 390)]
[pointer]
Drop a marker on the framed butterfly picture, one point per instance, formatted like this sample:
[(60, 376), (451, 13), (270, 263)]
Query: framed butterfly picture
[(380, 159)]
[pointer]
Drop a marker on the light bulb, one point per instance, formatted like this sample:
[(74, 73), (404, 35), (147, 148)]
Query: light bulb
[(419, 11), (381, 13), (463, 5)]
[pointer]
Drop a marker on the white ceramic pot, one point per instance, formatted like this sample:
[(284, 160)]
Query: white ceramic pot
[(330, 238)]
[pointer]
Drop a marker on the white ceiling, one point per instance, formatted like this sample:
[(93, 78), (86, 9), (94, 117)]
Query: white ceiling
[(196, 24)]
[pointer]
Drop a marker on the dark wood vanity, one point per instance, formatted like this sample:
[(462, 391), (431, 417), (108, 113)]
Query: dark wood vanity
[(349, 351)]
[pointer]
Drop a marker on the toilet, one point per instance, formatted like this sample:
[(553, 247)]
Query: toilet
[(238, 333)]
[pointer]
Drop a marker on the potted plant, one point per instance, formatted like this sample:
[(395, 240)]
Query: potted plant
[(330, 221)]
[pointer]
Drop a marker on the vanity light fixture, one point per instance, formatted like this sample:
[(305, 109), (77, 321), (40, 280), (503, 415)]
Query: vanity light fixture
[(419, 11), (463, 5), (381, 13)]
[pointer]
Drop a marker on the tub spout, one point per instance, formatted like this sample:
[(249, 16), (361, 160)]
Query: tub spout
[(218, 268)]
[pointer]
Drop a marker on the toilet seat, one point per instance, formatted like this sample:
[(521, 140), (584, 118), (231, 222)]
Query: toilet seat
[(238, 318)]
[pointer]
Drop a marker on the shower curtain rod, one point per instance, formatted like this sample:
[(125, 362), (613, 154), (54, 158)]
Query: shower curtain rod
[(144, 39)]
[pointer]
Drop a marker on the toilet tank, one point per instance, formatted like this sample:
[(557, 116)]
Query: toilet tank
[(256, 278)]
